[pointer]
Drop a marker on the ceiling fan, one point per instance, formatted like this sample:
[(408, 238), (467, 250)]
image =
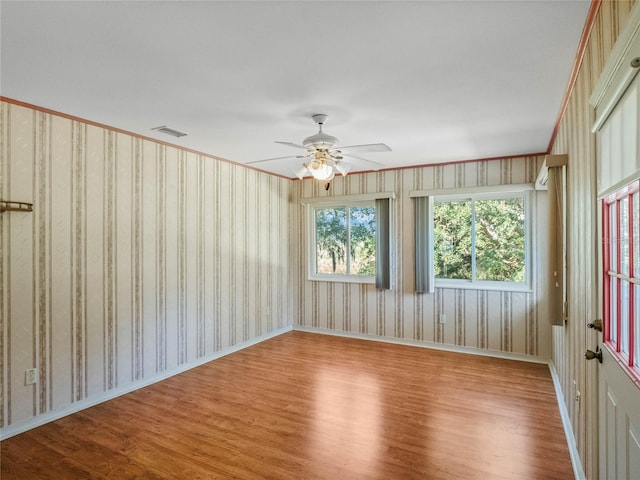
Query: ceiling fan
[(325, 157)]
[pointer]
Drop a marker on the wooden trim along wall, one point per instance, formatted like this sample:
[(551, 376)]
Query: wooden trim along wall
[(577, 63), (131, 134)]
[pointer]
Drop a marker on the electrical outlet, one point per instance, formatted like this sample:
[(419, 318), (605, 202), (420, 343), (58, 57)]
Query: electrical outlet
[(268, 311), (31, 376), (443, 318)]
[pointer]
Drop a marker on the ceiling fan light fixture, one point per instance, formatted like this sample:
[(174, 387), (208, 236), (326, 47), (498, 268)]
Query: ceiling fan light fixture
[(301, 171), (315, 164), (321, 171)]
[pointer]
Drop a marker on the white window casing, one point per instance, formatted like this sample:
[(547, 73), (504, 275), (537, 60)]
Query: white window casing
[(344, 201)]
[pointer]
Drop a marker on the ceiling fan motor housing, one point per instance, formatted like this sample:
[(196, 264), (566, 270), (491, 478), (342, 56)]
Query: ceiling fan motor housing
[(320, 141)]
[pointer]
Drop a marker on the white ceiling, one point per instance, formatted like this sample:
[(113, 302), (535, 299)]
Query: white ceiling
[(436, 81)]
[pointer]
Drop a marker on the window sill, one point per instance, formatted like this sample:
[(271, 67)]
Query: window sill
[(490, 286), (342, 279)]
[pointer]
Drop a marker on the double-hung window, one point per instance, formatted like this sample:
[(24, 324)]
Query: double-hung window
[(621, 255)]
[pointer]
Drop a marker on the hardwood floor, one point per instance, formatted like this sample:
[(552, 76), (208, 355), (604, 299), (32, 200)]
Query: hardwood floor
[(309, 406)]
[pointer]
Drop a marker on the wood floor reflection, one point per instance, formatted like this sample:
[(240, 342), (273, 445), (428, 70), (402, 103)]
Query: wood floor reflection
[(309, 406)]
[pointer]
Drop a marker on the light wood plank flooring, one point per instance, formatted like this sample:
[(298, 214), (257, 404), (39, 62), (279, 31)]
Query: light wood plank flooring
[(309, 406)]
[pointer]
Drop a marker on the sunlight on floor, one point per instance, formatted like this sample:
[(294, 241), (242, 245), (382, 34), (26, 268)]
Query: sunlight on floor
[(347, 420)]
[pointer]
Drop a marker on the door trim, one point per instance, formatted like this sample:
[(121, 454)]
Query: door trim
[(618, 72)]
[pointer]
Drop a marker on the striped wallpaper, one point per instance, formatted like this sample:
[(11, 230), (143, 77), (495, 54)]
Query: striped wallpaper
[(138, 259), (514, 322), (575, 139)]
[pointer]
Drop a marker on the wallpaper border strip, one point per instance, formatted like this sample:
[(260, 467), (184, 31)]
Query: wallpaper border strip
[(86, 121)]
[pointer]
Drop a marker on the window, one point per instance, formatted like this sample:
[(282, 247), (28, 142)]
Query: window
[(621, 257), (350, 238), (345, 240), (481, 241)]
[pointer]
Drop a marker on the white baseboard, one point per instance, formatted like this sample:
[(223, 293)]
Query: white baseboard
[(578, 471), (23, 426), (424, 344), (28, 424)]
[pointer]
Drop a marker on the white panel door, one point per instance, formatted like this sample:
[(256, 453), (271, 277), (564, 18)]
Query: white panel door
[(619, 422), (618, 379)]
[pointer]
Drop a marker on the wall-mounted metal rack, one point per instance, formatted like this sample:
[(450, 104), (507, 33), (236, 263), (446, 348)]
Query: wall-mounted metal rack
[(9, 206)]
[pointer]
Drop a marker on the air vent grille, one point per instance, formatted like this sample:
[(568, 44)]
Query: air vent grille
[(169, 131)]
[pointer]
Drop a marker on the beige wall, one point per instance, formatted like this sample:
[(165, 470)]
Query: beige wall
[(141, 258), (138, 260), (512, 322), (576, 139)]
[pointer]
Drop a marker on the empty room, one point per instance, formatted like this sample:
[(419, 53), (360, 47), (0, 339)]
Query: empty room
[(320, 239)]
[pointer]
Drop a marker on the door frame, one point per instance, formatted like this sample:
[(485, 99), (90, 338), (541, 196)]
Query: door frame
[(616, 77)]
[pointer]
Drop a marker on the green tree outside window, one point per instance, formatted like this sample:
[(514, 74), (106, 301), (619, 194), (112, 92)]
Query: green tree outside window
[(480, 240), (345, 240)]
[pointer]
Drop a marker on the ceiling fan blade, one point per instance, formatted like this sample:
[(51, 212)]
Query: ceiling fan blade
[(374, 165), (368, 147), (343, 168), (292, 145), (270, 159)]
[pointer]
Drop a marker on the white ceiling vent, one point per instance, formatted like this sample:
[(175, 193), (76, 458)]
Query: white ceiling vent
[(169, 131)]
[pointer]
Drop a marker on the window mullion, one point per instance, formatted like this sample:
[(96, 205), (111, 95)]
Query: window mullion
[(606, 283), (348, 246), (631, 319), (473, 240), (618, 281)]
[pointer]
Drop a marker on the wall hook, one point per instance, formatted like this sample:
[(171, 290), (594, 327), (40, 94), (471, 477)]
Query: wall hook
[(10, 206)]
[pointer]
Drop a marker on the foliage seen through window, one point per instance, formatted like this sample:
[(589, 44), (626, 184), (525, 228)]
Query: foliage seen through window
[(480, 240), (345, 240)]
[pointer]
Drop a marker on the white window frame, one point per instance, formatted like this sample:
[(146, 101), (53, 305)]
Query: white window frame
[(346, 201), (524, 191)]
